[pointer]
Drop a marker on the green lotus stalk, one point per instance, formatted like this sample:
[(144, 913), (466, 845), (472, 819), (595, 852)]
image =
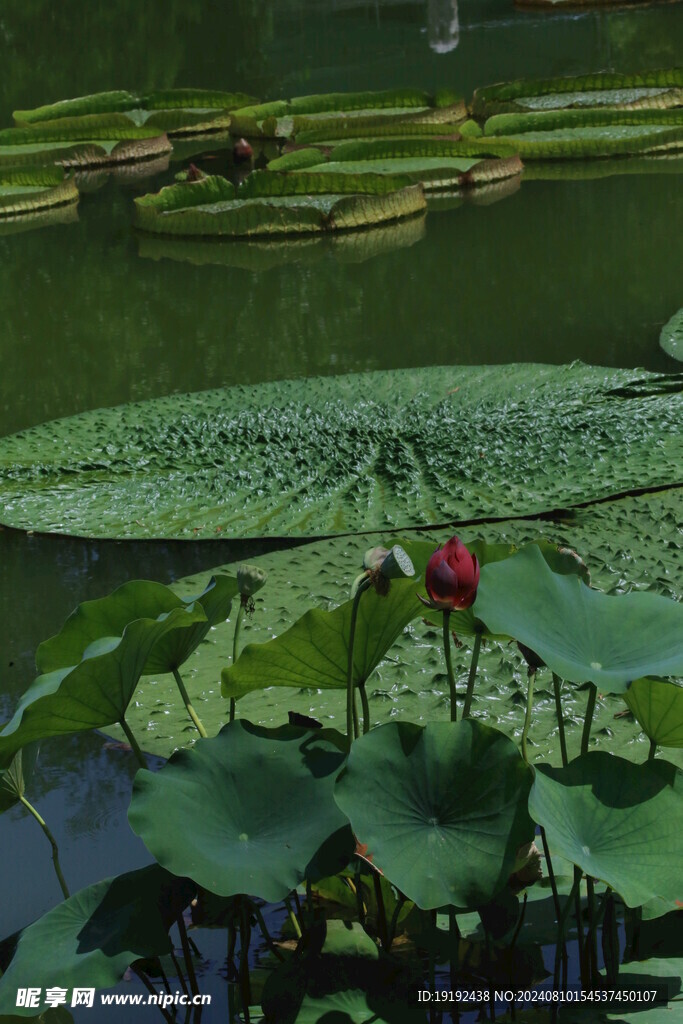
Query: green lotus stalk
[(557, 687), (551, 873), (245, 942), (265, 933), (562, 929), (53, 843), (187, 954), (293, 920), (590, 708), (472, 676), (578, 874), (235, 649), (382, 924), (365, 706), (454, 943), (591, 948), (449, 665), (527, 717), (188, 704), (139, 973), (350, 688), (134, 746), (652, 751)]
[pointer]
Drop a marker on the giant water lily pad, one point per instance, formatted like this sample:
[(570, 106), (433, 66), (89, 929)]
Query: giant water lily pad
[(619, 822), (656, 89), (95, 690), (91, 938), (580, 633), (244, 812), (27, 193), (359, 452), (436, 163), (211, 207), (633, 543), (671, 337), (82, 142), (174, 111), (658, 707), (442, 807)]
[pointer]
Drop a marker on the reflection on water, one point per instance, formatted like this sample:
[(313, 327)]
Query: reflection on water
[(444, 25)]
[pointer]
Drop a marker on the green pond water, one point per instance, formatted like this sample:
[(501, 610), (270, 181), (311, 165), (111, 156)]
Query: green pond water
[(94, 315)]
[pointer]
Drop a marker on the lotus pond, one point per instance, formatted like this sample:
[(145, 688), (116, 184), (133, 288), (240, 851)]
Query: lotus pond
[(252, 388)]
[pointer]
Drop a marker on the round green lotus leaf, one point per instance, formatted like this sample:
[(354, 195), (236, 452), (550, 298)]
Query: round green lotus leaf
[(658, 706), (91, 938), (243, 812), (618, 821), (581, 634), (671, 338), (441, 807)]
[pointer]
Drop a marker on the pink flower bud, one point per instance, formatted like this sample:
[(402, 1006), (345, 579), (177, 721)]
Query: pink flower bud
[(452, 577)]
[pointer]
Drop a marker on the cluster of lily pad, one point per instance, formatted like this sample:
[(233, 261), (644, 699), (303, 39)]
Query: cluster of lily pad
[(344, 160), (404, 831)]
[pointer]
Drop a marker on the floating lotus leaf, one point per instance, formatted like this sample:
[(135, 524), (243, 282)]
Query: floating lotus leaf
[(441, 806), (89, 141), (139, 599), (581, 634), (671, 338), (25, 193), (569, 118), (619, 822), (647, 88), (352, 453), (593, 141), (344, 978), (174, 111), (436, 163), (91, 938), (658, 707), (210, 207), (243, 812), (96, 690)]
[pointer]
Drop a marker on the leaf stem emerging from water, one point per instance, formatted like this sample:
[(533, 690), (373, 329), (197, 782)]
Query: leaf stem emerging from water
[(472, 676), (134, 746), (527, 717), (53, 843), (590, 708)]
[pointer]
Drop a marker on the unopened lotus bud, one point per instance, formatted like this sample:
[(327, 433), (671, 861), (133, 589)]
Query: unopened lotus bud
[(374, 557), (397, 564), (250, 579)]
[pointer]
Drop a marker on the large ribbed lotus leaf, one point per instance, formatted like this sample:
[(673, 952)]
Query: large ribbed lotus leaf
[(352, 453), (175, 111), (658, 707), (314, 651), (592, 141), (91, 938), (342, 979), (25, 193), (92, 140), (244, 812), (210, 207), (566, 118), (644, 89), (442, 807), (139, 599), (671, 338), (95, 690), (282, 118), (633, 543), (581, 634), (444, 121), (619, 822)]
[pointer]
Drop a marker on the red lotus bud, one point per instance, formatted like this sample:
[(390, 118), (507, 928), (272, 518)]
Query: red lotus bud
[(452, 577), (241, 150)]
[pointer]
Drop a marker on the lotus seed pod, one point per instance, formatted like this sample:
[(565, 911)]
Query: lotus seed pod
[(250, 579), (397, 565)]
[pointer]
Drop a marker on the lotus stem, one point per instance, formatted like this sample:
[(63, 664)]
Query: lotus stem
[(590, 708), (520, 922), (454, 937), (265, 933), (356, 724), (293, 920), (578, 874), (472, 676), (652, 751), (179, 973), (449, 664), (551, 873), (53, 843), (245, 941), (134, 745), (235, 641), (382, 924), (557, 686), (365, 706), (350, 688), (527, 716), (151, 989), (562, 928), (187, 953), (432, 951), (591, 950), (360, 902), (394, 920), (188, 704)]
